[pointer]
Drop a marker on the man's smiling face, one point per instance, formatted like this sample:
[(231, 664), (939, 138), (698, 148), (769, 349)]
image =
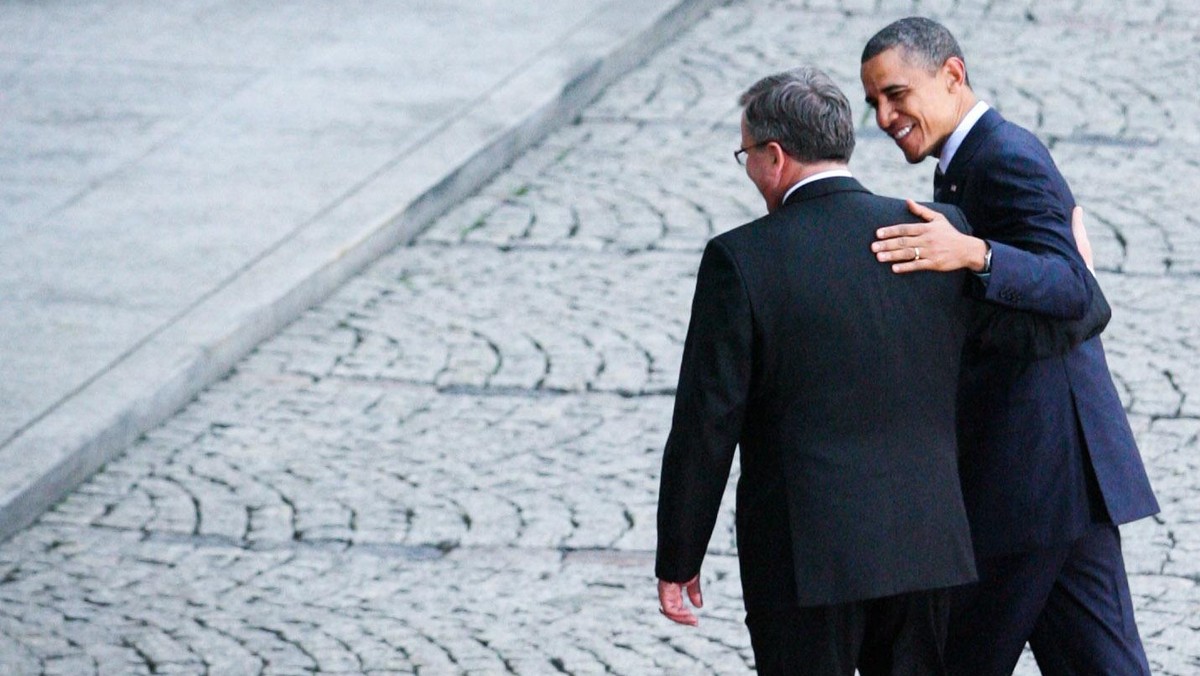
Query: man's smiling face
[(918, 109)]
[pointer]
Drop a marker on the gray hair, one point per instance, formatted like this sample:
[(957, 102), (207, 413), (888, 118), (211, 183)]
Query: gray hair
[(804, 112), (923, 42)]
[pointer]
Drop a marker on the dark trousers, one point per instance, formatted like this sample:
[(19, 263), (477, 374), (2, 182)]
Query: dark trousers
[(892, 636), (1071, 603)]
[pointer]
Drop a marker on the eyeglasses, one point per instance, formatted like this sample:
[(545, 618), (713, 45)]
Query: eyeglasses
[(739, 155)]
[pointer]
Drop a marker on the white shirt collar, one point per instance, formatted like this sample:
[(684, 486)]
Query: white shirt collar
[(960, 133), (832, 173)]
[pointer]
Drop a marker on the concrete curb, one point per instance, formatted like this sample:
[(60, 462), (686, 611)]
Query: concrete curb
[(168, 369)]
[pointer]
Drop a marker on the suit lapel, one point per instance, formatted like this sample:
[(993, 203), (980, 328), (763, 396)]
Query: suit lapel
[(947, 189)]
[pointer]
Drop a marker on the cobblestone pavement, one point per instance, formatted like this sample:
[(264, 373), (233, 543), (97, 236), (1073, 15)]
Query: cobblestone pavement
[(451, 466)]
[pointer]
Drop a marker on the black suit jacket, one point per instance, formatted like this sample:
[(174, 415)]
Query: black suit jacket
[(1046, 446), (837, 378)]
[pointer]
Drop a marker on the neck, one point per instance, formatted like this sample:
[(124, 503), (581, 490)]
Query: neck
[(798, 171), (966, 101), (815, 168)]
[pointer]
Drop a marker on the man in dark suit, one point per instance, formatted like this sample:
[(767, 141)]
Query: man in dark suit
[(837, 379), (1049, 466)]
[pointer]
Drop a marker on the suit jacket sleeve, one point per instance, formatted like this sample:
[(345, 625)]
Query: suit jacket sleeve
[(1035, 263), (710, 405), (996, 329), (999, 330)]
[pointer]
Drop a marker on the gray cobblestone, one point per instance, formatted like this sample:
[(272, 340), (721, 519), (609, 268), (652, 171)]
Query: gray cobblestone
[(360, 612), (523, 320), (396, 475), (452, 465)]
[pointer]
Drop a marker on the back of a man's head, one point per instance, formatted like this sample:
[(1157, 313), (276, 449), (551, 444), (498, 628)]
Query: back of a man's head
[(804, 112), (923, 42)]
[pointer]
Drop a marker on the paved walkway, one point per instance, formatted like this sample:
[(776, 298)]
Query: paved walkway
[(179, 181), (450, 466)]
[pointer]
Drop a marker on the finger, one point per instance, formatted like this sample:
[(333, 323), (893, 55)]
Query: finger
[(694, 593), (680, 616), (923, 212), (911, 266), (899, 255), (896, 244), (901, 230)]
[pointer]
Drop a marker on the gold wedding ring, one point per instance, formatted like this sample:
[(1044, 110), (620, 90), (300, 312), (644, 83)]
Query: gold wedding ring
[(916, 253)]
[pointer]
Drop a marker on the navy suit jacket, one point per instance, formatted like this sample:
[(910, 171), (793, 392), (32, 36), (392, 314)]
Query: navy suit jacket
[(1046, 446), (837, 378)]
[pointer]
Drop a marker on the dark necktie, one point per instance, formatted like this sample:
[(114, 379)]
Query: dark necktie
[(939, 184)]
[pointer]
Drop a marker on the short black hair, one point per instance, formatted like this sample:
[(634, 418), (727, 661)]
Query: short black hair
[(924, 42)]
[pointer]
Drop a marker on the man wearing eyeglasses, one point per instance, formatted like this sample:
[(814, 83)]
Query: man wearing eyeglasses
[(837, 379)]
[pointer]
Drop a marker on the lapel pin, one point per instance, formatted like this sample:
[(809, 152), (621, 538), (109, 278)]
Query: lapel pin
[(953, 188)]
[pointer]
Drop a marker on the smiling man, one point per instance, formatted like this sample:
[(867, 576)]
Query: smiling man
[(1048, 463)]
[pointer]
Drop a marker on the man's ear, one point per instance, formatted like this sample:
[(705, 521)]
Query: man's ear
[(778, 156), (777, 153), (956, 73)]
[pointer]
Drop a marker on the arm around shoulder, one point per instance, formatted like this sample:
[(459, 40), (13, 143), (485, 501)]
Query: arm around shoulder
[(1027, 335)]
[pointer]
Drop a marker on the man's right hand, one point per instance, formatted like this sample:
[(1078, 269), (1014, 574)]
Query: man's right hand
[(934, 244), (670, 600)]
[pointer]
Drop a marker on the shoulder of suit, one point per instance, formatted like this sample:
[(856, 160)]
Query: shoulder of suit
[(1011, 139), (1009, 147), (952, 213), (752, 229)]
